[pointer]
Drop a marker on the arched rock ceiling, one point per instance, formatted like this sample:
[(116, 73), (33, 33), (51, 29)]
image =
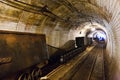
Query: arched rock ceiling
[(67, 13)]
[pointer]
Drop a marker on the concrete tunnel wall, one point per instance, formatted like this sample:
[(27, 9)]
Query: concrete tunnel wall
[(57, 34), (111, 7)]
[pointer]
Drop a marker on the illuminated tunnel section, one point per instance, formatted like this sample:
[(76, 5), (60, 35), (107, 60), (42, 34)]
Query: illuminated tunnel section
[(97, 36), (94, 33), (100, 36)]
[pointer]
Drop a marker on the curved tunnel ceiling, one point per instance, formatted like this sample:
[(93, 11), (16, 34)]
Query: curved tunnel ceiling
[(71, 13), (39, 15)]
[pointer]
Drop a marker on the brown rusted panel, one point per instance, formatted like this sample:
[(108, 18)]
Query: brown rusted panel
[(20, 50)]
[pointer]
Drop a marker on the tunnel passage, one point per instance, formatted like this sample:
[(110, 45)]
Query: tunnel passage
[(93, 33), (100, 37), (60, 20)]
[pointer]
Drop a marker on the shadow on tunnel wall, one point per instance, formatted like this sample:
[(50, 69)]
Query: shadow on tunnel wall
[(111, 68), (69, 45)]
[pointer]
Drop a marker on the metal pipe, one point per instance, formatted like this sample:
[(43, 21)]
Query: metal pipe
[(69, 5), (32, 8)]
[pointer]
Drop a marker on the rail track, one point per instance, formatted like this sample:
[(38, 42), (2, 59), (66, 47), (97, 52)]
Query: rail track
[(92, 68), (85, 66)]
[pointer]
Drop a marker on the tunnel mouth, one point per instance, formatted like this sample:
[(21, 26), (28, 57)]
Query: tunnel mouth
[(96, 32), (93, 32), (100, 37)]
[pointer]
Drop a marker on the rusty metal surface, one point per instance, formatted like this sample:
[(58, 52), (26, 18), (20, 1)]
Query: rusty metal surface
[(20, 50)]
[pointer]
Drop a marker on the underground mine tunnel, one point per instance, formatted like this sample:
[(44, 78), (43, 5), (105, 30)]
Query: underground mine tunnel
[(59, 40)]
